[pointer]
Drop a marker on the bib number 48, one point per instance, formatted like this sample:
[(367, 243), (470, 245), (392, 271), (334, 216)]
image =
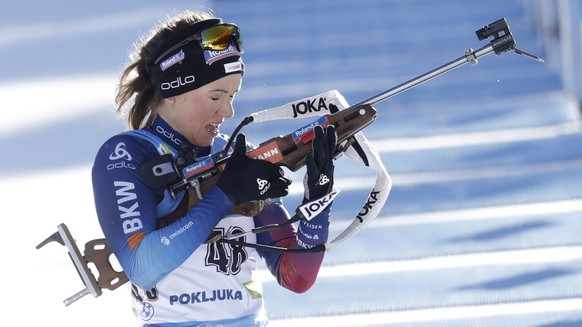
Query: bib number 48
[(227, 258)]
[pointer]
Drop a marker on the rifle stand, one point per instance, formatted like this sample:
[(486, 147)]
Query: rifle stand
[(97, 252)]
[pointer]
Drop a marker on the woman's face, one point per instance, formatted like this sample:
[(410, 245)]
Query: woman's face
[(197, 114)]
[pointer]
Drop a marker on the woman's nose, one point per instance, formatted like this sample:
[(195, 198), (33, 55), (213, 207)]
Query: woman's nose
[(227, 111)]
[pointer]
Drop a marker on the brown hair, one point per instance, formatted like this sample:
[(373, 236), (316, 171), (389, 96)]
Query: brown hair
[(134, 82)]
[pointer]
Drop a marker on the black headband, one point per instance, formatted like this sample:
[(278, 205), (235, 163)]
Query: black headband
[(189, 66)]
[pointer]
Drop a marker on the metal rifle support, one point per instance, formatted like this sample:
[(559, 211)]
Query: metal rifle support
[(97, 252), (501, 42)]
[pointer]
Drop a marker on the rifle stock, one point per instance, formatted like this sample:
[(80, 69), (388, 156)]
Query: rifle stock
[(290, 150)]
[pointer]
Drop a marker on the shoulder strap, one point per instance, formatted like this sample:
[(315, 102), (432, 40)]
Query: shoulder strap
[(160, 172), (160, 145)]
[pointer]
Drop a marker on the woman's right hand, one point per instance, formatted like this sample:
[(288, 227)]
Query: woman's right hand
[(245, 179)]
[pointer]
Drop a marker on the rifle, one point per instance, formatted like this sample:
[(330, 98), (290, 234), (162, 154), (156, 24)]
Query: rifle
[(288, 151)]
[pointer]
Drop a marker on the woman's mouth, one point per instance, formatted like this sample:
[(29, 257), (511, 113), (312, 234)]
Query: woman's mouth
[(213, 128)]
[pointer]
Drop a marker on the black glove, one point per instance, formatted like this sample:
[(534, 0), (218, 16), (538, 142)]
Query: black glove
[(318, 179), (245, 179)]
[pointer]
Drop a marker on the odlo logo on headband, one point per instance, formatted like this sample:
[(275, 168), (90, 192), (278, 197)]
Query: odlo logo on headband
[(178, 82)]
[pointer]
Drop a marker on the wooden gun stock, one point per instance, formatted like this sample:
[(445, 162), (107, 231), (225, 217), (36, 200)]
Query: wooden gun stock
[(290, 150)]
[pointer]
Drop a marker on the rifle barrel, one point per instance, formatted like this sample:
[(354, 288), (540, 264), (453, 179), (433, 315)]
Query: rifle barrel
[(469, 57)]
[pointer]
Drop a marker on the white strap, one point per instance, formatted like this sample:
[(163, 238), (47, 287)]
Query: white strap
[(316, 106)]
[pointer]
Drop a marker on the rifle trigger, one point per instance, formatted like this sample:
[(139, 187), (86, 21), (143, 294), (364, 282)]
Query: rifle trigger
[(196, 184), (343, 147)]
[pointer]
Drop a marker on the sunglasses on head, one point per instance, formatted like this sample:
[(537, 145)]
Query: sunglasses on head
[(213, 38)]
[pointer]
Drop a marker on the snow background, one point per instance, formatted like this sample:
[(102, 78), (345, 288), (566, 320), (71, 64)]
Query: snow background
[(498, 136)]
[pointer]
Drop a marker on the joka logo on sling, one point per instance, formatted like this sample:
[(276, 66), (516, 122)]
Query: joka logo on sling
[(315, 207), (372, 199), (309, 106)]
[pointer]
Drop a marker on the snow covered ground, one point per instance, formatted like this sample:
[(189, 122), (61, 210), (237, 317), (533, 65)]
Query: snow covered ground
[(483, 223)]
